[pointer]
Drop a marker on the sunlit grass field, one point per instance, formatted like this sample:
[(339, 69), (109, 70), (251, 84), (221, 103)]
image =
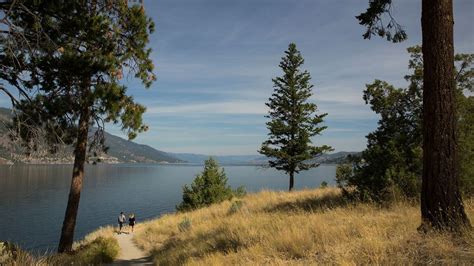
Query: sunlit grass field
[(301, 228), (310, 227)]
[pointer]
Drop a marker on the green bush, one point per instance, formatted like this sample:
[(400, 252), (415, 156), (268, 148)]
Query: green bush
[(207, 188), (236, 206), (343, 175), (324, 184), (240, 192), (369, 181), (185, 225)]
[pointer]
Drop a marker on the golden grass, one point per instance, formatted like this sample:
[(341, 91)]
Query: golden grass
[(301, 228), (96, 248)]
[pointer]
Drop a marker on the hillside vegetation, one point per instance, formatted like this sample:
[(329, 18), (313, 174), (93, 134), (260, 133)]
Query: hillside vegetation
[(120, 150), (301, 228)]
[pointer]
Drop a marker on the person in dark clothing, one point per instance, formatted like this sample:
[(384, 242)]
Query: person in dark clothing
[(121, 221), (131, 221)]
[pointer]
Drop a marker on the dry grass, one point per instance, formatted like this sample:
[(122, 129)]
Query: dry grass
[(96, 248), (301, 228)]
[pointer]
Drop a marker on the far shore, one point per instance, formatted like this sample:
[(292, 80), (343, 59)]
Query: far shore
[(9, 163)]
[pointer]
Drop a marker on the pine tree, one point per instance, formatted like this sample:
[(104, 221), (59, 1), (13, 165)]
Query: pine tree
[(73, 77), (441, 203), (294, 120), (207, 188)]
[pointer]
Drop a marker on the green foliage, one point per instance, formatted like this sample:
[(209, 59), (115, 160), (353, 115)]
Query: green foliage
[(373, 19), (343, 173), (465, 104), (392, 162), (185, 225), (208, 188), (240, 192), (236, 206), (393, 154), (72, 78), (324, 184), (466, 142), (293, 118), (86, 49)]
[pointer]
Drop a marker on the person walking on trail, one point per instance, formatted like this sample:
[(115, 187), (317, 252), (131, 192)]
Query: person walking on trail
[(131, 221), (121, 221)]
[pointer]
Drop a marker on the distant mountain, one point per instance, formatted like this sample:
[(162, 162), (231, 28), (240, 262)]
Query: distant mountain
[(222, 159), (125, 151), (120, 150), (334, 158), (131, 152)]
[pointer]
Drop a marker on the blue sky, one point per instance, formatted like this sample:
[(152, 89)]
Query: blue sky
[(215, 61)]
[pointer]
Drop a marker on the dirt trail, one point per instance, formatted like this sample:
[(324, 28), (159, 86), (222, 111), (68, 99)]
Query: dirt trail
[(130, 254)]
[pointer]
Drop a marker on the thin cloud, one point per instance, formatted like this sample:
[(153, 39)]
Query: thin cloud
[(229, 107)]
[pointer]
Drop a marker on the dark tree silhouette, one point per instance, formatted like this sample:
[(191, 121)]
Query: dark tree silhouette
[(441, 203)]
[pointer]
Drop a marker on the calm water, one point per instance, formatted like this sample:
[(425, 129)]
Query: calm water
[(33, 198)]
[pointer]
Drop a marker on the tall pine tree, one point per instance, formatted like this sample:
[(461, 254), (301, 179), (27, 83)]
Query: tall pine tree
[(72, 79), (441, 203), (294, 120)]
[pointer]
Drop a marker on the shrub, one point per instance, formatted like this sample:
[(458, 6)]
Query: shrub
[(236, 206), (240, 192), (100, 250), (8, 252), (11, 254), (360, 180), (343, 174), (324, 184), (207, 188), (185, 225)]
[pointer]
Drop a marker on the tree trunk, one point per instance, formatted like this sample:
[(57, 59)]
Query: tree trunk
[(441, 204), (67, 232), (292, 180)]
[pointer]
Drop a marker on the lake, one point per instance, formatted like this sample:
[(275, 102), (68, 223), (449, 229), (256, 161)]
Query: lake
[(33, 197)]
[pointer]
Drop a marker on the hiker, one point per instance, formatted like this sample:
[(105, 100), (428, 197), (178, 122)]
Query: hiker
[(121, 221), (131, 221)]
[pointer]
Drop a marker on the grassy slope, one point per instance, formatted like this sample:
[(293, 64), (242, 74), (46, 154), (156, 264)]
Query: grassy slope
[(96, 248), (305, 227), (309, 227)]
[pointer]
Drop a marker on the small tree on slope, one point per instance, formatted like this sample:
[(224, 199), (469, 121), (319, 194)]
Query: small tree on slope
[(207, 188), (294, 120)]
